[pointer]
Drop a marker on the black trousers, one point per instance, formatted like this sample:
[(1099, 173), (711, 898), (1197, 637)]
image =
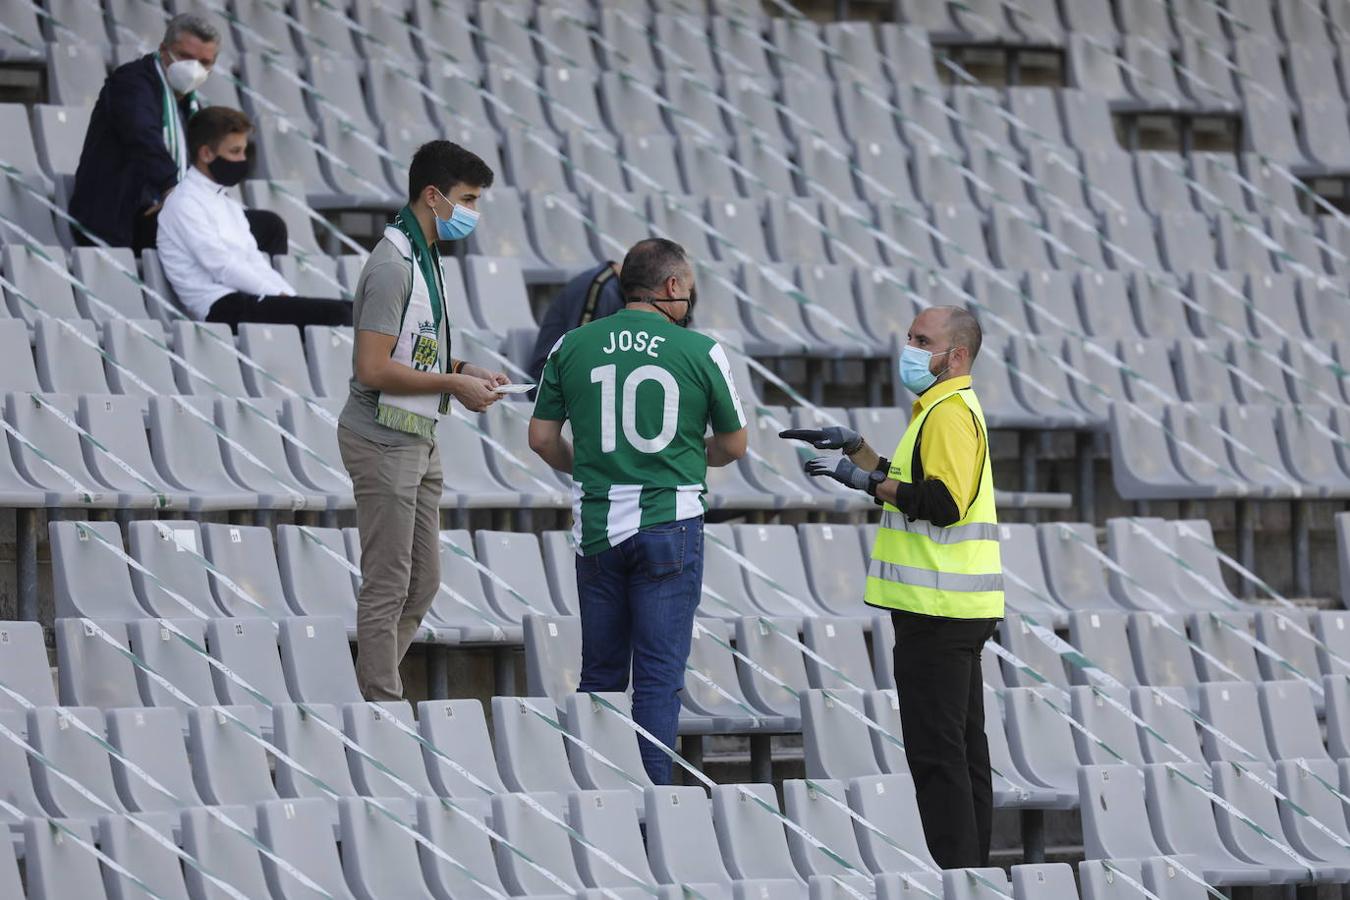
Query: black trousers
[(937, 675), (280, 310), (269, 230)]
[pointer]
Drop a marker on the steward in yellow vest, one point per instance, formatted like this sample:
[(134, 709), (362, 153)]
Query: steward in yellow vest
[(936, 567)]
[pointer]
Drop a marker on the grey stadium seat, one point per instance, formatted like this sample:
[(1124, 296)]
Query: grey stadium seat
[(1233, 709), (883, 707), (760, 640), (88, 579), (1166, 711), (841, 643), (681, 842), (379, 858), (1240, 789), (1182, 820), (227, 765), (1016, 636), (1301, 786), (1101, 638), (186, 449), (1291, 720), (220, 848), (317, 660), (166, 551), (56, 867), (93, 673), (23, 665), (1113, 808), (837, 743), (1044, 882), (476, 621), (149, 861), (834, 564), (552, 656), (1040, 738), (1279, 630), (205, 346), (542, 840), (753, 842), (518, 555), (248, 649), (316, 582), (131, 345), (273, 479), (458, 729), (530, 751), (889, 803), (962, 884), (819, 815), (603, 731), (16, 784), (65, 363), (1114, 728), (450, 829), (297, 733), (1217, 635), (608, 820), (169, 656), (78, 755), (300, 833), (38, 418), (1161, 655), (375, 729)]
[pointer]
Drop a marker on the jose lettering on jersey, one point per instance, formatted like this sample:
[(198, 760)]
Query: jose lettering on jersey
[(641, 342)]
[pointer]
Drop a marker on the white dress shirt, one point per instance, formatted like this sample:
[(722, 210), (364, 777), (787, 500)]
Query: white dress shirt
[(206, 248)]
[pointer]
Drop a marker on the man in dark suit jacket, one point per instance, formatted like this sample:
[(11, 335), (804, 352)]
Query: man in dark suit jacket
[(136, 148)]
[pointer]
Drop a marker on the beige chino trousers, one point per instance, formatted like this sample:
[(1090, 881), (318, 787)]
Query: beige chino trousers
[(398, 498)]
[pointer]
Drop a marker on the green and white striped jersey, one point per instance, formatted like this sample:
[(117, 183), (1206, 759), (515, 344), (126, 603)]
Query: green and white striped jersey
[(640, 393)]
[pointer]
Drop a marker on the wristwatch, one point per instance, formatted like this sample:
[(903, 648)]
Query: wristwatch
[(874, 479)]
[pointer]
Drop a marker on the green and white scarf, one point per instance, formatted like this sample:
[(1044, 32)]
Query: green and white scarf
[(424, 331), (171, 123)]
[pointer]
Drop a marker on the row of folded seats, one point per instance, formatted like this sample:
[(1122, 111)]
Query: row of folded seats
[(447, 753), (586, 843), (497, 577), (488, 292)]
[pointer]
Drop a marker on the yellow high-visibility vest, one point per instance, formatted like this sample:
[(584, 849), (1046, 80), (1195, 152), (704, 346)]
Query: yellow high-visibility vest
[(955, 572)]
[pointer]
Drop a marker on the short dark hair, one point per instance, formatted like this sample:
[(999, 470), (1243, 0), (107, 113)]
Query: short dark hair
[(442, 165), (649, 264), (963, 330), (211, 125)]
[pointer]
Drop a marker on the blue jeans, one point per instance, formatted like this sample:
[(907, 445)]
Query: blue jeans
[(637, 612)]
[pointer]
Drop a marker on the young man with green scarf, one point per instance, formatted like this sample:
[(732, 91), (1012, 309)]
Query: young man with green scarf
[(403, 378)]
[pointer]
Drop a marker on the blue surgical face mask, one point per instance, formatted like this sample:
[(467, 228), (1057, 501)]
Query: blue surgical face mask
[(914, 371), (460, 225)]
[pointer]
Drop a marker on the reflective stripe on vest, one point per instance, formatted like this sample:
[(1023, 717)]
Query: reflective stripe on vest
[(955, 572)]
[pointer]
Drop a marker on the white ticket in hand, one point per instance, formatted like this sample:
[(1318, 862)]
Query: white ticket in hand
[(513, 388)]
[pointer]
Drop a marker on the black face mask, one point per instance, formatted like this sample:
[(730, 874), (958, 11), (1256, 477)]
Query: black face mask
[(682, 321), (228, 172)]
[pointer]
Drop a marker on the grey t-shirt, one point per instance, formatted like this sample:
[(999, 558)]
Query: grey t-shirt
[(381, 291)]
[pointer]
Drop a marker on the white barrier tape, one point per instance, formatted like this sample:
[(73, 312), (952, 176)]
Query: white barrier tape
[(800, 605), (87, 495), (491, 575)]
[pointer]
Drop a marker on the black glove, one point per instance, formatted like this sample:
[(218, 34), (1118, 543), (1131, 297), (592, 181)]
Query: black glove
[(843, 471), (836, 437)]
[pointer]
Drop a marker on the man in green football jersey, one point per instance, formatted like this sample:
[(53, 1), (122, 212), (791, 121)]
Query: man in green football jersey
[(641, 391)]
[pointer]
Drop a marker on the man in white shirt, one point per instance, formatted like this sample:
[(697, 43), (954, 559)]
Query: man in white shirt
[(208, 252)]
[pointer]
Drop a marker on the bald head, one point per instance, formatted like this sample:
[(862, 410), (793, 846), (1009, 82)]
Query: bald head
[(951, 331)]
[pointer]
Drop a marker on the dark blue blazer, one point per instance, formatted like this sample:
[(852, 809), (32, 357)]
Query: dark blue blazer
[(124, 166)]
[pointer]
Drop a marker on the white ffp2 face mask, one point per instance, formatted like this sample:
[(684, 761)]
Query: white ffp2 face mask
[(186, 75)]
